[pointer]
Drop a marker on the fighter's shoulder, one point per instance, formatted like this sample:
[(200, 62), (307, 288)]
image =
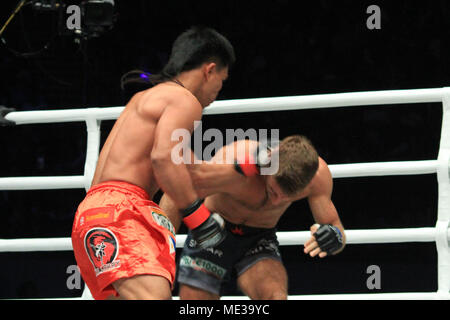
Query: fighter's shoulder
[(240, 148), (177, 95), (322, 180), (246, 143), (231, 151), (323, 168), (168, 95)]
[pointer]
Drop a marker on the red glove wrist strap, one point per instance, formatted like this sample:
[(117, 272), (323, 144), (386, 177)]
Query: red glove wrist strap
[(249, 167), (196, 218)]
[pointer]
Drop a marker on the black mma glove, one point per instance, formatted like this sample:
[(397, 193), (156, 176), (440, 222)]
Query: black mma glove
[(329, 238), (207, 229)]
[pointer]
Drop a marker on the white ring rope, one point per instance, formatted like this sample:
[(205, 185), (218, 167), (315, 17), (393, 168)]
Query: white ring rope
[(286, 238), (439, 234), (337, 170)]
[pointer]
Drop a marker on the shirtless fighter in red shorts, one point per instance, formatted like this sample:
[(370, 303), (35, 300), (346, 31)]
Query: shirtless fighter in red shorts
[(123, 242)]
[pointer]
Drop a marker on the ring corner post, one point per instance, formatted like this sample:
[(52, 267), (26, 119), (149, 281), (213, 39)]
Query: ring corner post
[(86, 295), (443, 219), (3, 120), (92, 149)]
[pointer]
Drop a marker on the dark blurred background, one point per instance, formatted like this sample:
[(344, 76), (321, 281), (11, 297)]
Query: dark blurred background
[(283, 48)]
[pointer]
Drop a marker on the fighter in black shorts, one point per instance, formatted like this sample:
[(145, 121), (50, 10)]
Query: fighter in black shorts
[(242, 248), (251, 205)]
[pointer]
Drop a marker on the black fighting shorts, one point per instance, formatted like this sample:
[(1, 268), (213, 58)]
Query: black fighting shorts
[(208, 269)]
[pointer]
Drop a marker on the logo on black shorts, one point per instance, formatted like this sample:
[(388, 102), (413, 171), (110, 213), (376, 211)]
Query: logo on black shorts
[(102, 248)]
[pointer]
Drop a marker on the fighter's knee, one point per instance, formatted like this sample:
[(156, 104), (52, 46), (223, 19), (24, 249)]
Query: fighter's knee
[(143, 287), (278, 295), (191, 293), (270, 294), (143, 295), (166, 295)]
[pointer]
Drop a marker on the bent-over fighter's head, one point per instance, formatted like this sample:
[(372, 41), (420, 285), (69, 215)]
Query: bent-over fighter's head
[(298, 163)]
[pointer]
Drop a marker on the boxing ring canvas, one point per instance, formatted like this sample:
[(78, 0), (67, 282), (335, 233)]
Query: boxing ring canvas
[(439, 234)]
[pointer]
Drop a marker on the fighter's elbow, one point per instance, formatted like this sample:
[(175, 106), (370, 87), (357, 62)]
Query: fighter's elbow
[(160, 158)]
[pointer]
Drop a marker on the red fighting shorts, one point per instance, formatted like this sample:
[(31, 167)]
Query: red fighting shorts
[(119, 233)]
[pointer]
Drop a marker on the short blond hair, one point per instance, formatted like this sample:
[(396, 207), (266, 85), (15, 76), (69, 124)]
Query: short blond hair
[(298, 163)]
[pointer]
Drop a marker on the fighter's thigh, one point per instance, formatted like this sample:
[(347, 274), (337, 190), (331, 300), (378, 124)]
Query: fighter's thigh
[(143, 287), (265, 280), (188, 292)]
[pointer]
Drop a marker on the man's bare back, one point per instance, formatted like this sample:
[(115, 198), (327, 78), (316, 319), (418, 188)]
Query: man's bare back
[(126, 154)]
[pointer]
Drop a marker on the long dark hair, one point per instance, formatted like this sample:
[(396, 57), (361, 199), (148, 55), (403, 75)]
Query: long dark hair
[(194, 47), (190, 50), (135, 80)]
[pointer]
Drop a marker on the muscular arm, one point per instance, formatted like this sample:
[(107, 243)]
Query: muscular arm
[(172, 178), (322, 207), (210, 178), (218, 175), (171, 211)]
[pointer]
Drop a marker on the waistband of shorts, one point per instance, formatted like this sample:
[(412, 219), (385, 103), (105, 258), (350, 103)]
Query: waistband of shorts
[(243, 230), (121, 185)]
